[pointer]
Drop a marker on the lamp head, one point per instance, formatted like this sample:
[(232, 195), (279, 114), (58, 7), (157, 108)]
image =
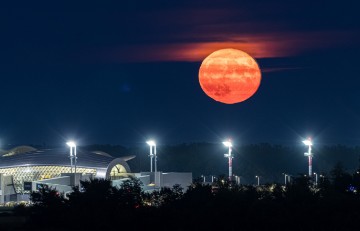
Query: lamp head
[(151, 143), (71, 144), (308, 142), (227, 143)]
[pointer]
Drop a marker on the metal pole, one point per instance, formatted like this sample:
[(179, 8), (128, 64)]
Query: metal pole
[(75, 157), (310, 161), (71, 160), (151, 159), (230, 163), (285, 178), (155, 158)]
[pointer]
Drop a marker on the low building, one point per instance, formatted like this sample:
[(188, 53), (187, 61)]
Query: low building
[(21, 166)]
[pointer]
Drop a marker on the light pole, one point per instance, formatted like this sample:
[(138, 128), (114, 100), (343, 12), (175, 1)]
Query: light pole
[(238, 180), (258, 180), (152, 145), (309, 154), (72, 146), (229, 156), (316, 178), (285, 175)]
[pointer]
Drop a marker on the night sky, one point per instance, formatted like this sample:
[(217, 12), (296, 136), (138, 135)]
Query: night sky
[(127, 71)]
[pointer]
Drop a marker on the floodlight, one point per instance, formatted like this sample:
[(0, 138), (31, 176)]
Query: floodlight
[(227, 143), (152, 154), (73, 157), (307, 142), (229, 156), (71, 144), (151, 143), (309, 154)]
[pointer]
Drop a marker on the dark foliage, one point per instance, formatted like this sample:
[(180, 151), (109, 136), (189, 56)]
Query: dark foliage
[(300, 205)]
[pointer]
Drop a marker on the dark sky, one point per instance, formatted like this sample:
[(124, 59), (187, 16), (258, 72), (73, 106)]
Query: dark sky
[(127, 71)]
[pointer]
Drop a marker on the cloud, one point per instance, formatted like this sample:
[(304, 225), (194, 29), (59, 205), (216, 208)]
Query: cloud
[(270, 45)]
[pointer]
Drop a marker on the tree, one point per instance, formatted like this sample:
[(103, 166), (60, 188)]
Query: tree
[(48, 205), (341, 180)]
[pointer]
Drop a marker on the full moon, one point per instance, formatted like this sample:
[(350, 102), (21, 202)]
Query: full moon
[(229, 76)]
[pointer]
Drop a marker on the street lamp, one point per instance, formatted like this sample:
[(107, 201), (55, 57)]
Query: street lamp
[(258, 180), (152, 145), (316, 178), (72, 146), (309, 154), (203, 178), (285, 175), (229, 156), (238, 180)]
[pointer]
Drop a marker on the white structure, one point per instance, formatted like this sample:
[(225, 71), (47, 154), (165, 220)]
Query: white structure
[(229, 156), (163, 179), (309, 154)]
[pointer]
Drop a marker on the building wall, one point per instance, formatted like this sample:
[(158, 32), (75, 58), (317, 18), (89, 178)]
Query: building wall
[(35, 173), (184, 179)]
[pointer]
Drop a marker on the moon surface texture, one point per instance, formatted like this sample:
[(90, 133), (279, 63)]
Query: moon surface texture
[(229, 76)]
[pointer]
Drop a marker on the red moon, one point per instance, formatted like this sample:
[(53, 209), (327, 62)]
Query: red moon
[(229, 76)]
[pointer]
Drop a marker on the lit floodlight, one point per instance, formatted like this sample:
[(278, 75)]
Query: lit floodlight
[(152, 154), (307, 142), (151, 143), (227, 143), (71, 144), (309, 154), (229, 156), (73, 157)]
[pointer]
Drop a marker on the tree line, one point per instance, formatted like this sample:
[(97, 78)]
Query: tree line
[(331, 204)]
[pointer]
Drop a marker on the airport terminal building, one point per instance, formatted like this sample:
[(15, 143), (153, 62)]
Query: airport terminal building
[(24, 169)]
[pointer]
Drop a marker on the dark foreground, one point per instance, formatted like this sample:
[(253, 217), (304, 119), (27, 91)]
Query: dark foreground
[(334, 204)]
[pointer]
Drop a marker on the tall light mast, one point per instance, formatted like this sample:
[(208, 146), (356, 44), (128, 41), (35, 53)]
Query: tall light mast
[(152, 154), (309, 154), (229, 156), (73, 157)]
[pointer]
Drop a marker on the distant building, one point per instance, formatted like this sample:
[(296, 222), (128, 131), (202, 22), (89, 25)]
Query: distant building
[(24, 169)]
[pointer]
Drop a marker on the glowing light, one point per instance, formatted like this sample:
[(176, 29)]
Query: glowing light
[(73, 157), (227, 143), (151, 143), (71, 144), (229, 156), (308, 142), (229, 76), (152, 154)]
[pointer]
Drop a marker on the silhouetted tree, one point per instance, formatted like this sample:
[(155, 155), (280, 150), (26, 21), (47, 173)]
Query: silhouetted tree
[(341, 180), (48, 205)]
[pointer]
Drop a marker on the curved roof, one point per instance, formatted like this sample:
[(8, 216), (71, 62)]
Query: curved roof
[(57, 157), (19, 150)]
